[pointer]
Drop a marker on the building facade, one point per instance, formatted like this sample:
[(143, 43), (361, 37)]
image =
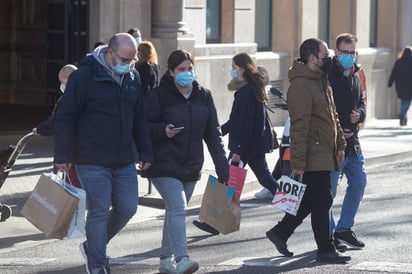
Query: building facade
[(39, 37)]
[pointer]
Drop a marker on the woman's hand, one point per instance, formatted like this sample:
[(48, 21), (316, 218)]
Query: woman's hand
[(170, 132), (235, 158)]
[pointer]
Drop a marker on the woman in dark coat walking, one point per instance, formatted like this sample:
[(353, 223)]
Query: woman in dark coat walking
[(402, 76)]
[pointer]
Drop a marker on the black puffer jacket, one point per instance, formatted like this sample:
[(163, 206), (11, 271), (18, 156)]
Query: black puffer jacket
[(248, 133), (99, 121), (182, 157)]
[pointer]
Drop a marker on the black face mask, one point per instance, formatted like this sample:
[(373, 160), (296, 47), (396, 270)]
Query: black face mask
[(327, 64)]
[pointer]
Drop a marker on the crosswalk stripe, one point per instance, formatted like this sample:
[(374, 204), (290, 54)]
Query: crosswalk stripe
[(24, 261), (383, 267), (259, 261)]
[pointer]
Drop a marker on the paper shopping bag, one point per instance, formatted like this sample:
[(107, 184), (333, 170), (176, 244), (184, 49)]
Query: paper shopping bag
[(50, 208), (289, 195), (220, 208), (78, 222), (237, 177)]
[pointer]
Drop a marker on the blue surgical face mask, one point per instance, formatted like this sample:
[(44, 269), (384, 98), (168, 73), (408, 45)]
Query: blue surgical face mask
[(234, 74), (121, 68), (346, 60), (138, 40), (185, 78)]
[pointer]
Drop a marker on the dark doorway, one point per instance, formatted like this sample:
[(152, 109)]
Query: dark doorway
[(39, 37), (67, 39)]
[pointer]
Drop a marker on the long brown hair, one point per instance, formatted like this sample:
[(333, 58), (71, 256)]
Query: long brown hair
[(251, 74), (147, 52)]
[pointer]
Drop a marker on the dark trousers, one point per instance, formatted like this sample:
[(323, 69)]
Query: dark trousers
[(316, 201), (260, 168)]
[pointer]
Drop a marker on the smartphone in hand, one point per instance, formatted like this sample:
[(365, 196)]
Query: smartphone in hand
[(177, 128)]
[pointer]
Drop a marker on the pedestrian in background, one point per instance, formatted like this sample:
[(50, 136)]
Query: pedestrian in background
[(99, 125), (402, 76), (181, 115), (137, 35), (147, 66), (46, 128), (351, 108), (317, 147)]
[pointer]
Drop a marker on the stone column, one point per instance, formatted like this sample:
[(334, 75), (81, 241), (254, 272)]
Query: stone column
[(244, 21), (169, 32)]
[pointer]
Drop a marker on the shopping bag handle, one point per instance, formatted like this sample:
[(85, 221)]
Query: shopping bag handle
[(297, 177), (239, 164), (63, 177)]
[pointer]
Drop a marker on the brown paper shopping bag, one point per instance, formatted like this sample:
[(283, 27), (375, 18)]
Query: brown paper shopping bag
[(220, 208), (50, 208)]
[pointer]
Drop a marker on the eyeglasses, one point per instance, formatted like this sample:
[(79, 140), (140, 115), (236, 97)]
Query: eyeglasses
[(346, 52), (126, 60)]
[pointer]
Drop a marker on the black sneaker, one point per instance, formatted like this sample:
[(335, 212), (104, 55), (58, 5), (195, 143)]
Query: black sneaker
[(339, 246), (331, 257), (281, 245), (205, 227), (349, 238)]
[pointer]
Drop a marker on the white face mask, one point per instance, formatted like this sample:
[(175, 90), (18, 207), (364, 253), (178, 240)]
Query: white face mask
[(62, 87)]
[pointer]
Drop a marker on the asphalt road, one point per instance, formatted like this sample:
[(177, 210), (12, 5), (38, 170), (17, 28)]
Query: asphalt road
[(384, 223)]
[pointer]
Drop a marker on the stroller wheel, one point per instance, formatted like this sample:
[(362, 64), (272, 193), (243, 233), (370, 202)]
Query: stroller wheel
[(5, 212)]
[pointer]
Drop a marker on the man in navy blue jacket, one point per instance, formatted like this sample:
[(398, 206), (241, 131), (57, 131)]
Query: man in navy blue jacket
[(350, 105), (99, 125)]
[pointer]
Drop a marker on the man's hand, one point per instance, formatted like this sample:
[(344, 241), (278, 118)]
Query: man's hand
[(354, 116), (347, 133), (340, 155), (297, 172), (144, 165), (64, 166)]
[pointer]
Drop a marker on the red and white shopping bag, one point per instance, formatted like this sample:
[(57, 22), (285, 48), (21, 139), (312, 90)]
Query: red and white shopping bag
[(237, 177), (289, 195)]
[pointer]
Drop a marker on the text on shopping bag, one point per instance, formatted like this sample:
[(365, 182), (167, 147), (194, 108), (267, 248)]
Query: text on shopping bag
[(288, 195), (237, 177)]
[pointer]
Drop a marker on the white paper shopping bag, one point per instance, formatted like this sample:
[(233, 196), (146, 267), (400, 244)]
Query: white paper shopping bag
[(289, 195)]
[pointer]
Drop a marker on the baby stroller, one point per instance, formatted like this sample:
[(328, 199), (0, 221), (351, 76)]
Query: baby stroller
[(7, 158)]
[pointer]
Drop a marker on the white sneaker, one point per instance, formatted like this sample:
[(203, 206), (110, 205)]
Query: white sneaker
[(186, 266), (167, 265), (264, 193)]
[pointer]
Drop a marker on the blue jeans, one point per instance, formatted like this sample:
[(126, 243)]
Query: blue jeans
[(260, 168), (111, 200), (354, 169), (405, 104), (176, 195)]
